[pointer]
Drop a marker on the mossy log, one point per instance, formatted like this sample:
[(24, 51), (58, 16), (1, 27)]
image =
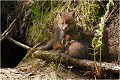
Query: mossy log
[(50, 56)]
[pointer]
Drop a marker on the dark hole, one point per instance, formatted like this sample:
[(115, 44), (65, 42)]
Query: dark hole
[(11, 54)]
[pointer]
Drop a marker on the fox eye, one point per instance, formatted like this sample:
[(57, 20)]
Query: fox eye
[(67, 22), (62, 22)]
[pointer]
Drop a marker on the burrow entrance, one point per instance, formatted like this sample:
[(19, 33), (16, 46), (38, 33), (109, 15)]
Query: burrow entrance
[(11, 54)]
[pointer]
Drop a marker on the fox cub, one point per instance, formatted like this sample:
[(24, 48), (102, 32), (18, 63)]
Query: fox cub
[(66, 26), (67, 38), (63, 45)]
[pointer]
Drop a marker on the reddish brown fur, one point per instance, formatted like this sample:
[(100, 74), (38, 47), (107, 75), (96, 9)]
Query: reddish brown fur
[(68, 25), (58, 46), (66, 17), (78, 50)]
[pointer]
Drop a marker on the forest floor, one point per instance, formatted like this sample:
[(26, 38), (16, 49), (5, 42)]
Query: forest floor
[(33, 68), (38, 69)]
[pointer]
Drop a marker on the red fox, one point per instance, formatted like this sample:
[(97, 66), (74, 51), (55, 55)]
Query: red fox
[(63, 45), (66, 25), (59, 46), (65, 32)]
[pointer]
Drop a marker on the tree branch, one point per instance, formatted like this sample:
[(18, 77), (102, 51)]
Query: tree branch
[(10, 28), (18, 43)]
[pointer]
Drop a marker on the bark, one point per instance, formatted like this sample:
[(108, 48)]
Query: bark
[(77, 63)]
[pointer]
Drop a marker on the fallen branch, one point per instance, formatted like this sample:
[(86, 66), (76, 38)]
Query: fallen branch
[(18, 43), (11, 26), (77, 63), (9, 29)]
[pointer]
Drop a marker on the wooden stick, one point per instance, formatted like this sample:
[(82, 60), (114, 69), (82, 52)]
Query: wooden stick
[(6, 32), (18, 43), (11, 26)]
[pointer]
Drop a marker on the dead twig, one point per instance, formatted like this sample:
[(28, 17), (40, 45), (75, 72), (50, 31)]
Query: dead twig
[(11, 26), (18, 43)]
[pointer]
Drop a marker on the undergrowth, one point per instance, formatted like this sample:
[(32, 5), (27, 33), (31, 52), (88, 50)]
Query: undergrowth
[(97, 40), (88, 15), (44, 17)]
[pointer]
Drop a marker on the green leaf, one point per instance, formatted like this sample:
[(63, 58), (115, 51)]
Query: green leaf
[(99, 43), (111, 1), (101, 26), (96, 43)]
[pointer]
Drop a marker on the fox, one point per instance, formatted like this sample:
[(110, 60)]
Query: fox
[(78, 50), (63, 45), (59, 46), (67, 38), (66, 25)]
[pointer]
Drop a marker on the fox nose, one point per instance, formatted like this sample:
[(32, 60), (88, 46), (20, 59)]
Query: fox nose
[(65, 27)]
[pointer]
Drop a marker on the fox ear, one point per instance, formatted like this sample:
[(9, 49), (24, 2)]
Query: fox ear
[(59, 15)]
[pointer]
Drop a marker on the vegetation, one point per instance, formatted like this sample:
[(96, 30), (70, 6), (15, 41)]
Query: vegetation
[(97, 40), (36, 24), (89, 15), (45, 18)]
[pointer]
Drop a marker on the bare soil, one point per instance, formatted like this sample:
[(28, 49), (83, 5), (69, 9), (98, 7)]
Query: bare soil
[(38, 69)]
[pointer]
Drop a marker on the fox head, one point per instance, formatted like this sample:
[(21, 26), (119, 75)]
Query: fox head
[(66, 21)]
